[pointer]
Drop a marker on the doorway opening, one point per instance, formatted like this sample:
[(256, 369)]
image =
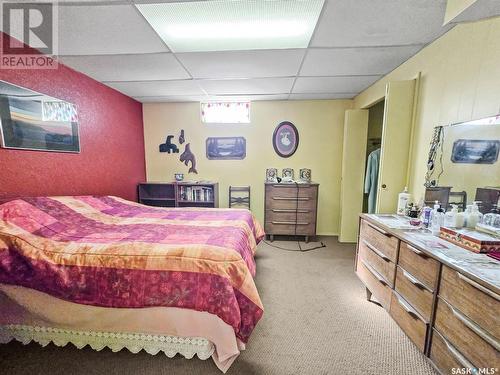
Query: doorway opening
[(372, 160)]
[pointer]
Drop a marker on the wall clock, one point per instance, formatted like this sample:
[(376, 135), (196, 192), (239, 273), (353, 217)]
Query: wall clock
[(285, 139)]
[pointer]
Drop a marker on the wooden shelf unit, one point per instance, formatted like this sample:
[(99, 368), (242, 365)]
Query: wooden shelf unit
[(179, 194)]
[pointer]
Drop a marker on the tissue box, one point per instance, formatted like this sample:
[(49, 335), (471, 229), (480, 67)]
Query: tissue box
[(470, 239)]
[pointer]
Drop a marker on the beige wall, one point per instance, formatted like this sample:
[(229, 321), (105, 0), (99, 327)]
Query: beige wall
[(460, 81), (320, 126)]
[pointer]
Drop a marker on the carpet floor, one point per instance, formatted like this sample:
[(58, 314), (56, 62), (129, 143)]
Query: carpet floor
[(316, 321)]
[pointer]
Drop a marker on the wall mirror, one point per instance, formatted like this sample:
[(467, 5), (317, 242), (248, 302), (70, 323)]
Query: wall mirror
[(463, 164), (33, 121)]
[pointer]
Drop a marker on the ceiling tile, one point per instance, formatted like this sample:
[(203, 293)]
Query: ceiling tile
[(94, 30), (233, 25), (243, 64), (333, 84), (355, 61), (354, 23), (170, 98), (248, 86), (157, 88), (144, 67), (321, 96)]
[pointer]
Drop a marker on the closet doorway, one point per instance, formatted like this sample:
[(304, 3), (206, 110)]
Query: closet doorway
[(360, 139)]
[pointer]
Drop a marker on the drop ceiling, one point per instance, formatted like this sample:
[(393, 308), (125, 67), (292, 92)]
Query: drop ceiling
[(345, 46)]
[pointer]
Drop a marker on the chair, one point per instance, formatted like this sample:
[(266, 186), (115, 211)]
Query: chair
[(242, 198), (440, 194), (487, 198), (459, 198)]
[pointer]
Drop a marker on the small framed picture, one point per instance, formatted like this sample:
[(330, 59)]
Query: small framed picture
[(287, 174), (271, 175), (305, 175)]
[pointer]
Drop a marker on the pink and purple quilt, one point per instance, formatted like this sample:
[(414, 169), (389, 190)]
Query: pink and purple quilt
[(106, 251)]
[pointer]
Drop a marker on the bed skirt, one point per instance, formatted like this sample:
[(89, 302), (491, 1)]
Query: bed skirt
[(188, 347)]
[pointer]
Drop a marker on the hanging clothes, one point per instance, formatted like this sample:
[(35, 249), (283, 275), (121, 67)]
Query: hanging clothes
[(371, 179)]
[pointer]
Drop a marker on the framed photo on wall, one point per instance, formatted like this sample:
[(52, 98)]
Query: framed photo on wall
[(33, 121)]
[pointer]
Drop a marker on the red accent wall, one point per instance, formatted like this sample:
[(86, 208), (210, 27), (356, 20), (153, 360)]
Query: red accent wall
[(111, 160)]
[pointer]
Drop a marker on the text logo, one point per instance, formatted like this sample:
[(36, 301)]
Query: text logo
[(28, 28)]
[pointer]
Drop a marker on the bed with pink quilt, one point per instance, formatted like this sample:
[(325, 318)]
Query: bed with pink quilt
[(107, 272)]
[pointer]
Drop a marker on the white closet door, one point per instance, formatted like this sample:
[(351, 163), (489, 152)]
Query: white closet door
[(353, 172), (396, 134)]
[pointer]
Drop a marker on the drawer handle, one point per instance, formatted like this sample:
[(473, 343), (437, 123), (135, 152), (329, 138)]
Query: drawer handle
[(374, 273), (376, 251), (416, 251), (407, 307), (381, 231), (479, 286), (291, 198), (458, 356), (288, 223), (413, 280), (290, 210), (475, 328)]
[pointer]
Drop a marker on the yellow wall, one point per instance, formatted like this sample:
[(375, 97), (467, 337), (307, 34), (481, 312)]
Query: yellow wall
[(460, 81), (320, 126)]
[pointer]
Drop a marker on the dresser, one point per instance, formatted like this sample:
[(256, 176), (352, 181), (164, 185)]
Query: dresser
[(445, 298), (291, 209)]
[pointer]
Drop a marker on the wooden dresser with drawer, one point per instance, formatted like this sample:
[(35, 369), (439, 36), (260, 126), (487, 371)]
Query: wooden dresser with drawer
[(449, 306), (291, 209)]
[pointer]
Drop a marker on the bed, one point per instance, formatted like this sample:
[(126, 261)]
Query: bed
[(106, 272)]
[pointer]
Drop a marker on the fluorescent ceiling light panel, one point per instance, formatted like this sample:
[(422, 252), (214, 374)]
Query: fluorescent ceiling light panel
[(233, 25)]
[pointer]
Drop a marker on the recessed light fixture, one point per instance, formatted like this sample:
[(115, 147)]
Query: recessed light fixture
[(233, 25)]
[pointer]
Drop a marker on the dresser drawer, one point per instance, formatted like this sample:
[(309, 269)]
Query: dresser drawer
[(375, 283), (290, 191), (416, 262), (478, 346), (290, 203), (409, 320), (378, 261), (383, 242), (413, 291), (478, 303), (305, 228), (303, 215), (445, 356)]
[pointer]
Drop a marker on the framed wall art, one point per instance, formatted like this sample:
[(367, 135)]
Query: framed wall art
[(475, 151), (33, 121), (226, 148), (285, 139)]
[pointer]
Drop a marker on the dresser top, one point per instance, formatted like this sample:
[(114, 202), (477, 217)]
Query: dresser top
[(292, 183), (479, 267)]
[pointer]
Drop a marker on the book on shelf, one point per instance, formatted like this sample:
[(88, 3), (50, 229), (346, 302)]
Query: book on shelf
[(196, 193)]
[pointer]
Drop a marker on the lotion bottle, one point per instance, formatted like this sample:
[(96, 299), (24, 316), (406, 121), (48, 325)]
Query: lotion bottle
[(403, 199), (450, 218), (475, 216), (437, 222)]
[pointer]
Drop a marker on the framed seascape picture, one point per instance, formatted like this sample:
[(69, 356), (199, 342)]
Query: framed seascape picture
[(285, 139), (475, 151), (33, 121), (226, 148)]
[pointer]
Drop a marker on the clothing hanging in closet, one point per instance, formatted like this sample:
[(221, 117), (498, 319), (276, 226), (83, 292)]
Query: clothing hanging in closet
[(371, 179)]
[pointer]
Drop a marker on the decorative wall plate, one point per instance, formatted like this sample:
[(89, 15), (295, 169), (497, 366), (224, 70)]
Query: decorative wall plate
[(285, 139)]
